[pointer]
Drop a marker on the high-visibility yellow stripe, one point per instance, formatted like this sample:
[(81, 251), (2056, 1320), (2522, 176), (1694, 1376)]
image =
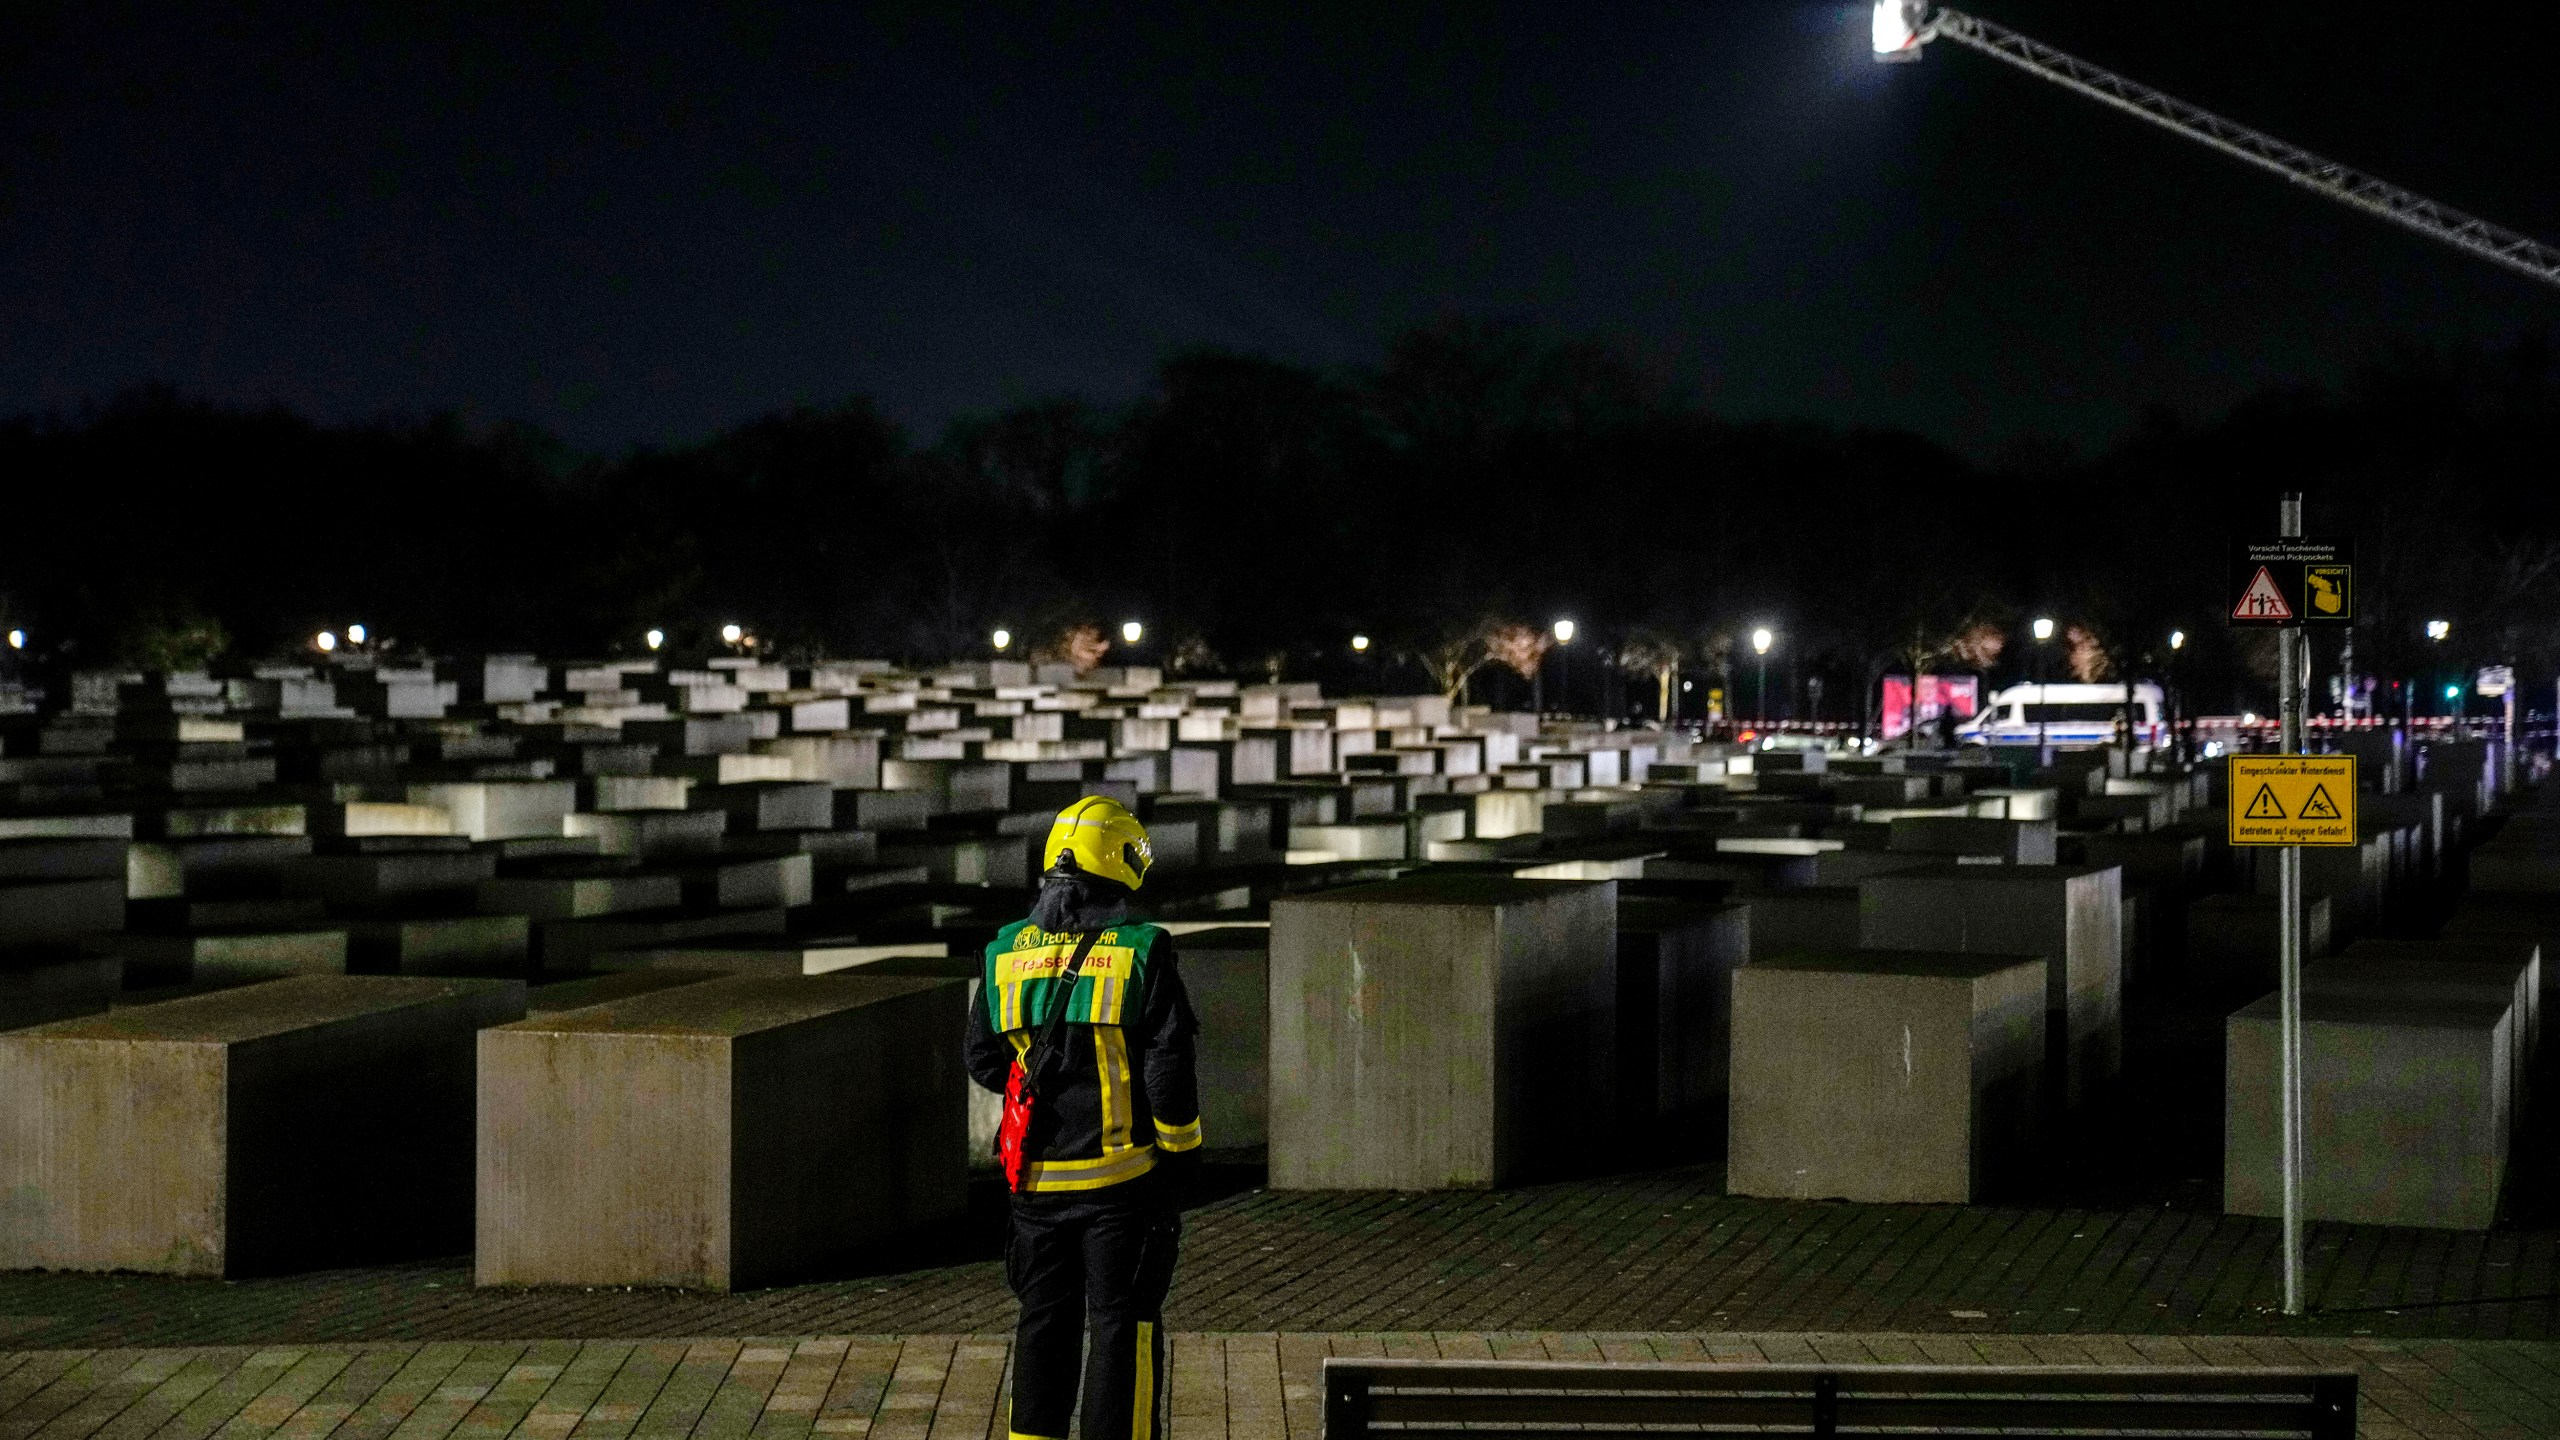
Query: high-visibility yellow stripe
[(1058, 1175), (1013, 1434), (1143, 1413), (1111, 1064), (1178, 1137)]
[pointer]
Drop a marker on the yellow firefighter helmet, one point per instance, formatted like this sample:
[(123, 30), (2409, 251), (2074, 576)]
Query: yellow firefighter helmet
[(1102, 838)]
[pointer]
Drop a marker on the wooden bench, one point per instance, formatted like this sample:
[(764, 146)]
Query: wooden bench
[(1428, 1399)]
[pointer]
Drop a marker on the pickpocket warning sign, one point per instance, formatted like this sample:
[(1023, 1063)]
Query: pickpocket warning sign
[(2293, 800)]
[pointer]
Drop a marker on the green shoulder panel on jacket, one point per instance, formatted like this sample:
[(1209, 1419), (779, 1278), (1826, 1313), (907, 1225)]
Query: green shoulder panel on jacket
[(1024, 963)]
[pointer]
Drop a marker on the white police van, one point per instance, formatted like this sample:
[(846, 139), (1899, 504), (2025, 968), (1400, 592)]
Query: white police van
[(2065, 716)]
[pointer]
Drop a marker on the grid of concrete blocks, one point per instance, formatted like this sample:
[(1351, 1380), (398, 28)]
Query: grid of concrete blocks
[(624, 973)]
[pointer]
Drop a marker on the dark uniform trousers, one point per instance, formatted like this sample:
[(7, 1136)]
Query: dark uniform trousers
[(1106, 1255)]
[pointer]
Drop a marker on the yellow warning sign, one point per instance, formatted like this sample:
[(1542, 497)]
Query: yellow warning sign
[(2293, 799)]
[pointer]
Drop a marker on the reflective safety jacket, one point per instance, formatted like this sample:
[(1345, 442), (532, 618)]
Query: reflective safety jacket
[(1120, 1089)]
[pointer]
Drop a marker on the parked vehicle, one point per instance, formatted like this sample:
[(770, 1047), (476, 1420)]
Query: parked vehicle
[(2067, 717)]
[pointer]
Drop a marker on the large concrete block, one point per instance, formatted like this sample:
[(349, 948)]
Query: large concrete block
[(291, 1125), (2406, 1110), (2070, 914), (1227, 972), (51, 912), (1440, 1031), (1884, 1075), (1815, 919), (2431, 971), (2232, 939), (218, 957), (1675, 1013), (502, 809), (41, 986), (439, 944), (722, 1134), (2012, 842)]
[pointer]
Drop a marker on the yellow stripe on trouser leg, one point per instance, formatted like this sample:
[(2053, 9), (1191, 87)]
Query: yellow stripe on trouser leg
[(1142, 1413)]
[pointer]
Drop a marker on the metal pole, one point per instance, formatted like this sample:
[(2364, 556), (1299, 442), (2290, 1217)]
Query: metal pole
[(2289, 941)]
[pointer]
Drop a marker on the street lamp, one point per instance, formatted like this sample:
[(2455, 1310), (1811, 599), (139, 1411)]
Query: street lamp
[(2177, 639), (1130, 631), (1360, 644), (327, 640), (1563, 630), (17, 639), (656, 638), (1001, 639), (2044, 749), (732, 634), (1761, 640), (355, 634), (2440, 631)]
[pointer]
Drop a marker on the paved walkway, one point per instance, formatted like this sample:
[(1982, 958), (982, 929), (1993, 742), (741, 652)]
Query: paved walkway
[(1664, 1251), (950, 1387)]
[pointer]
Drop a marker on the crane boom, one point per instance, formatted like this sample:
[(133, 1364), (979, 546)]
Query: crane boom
[(2520, 253)]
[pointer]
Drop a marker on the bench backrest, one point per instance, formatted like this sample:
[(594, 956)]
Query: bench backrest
[(1431, 1399)]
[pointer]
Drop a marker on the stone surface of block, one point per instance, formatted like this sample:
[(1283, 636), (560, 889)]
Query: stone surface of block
[(2406, 1110), (1811, 919), (1876, 1075), (295, 1124), (2013, 842), (1227, 972), (1440, 1031), (41, 986), (2072, 915), (52, 912), (1675, 1011), (439, 944), (721, 1134)]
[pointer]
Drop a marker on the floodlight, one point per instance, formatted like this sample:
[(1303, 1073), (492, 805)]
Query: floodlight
[(355, 634), (732, 634), (1130, 631), (1360, 643), (2177, 639), (1896, 29), (1761, 640), (17, 639), (2439, 629), (1001, 639), (2043, 628), (655, 638), (327, 640), (1564, 632)]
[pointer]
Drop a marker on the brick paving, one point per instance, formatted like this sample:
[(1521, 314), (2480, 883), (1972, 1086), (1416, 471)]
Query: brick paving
[(1226, 1386), (1665, 1251)]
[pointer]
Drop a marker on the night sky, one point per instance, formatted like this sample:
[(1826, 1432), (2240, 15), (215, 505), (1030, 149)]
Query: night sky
[(639, 223)]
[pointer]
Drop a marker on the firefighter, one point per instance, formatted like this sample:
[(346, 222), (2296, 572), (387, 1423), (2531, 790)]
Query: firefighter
[(1102, 1120)]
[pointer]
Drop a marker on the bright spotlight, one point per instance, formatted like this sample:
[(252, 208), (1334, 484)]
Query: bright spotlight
[(2439, 629), (1564, 632), (2453, 692), (1130, 631), (355, 634), (655, 638), (1001, 639), (17, 639), (2043, 628), (1761, 640), (1894, 29), (327, 640), (2177, 639), (732, 634), (1360, 644)]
